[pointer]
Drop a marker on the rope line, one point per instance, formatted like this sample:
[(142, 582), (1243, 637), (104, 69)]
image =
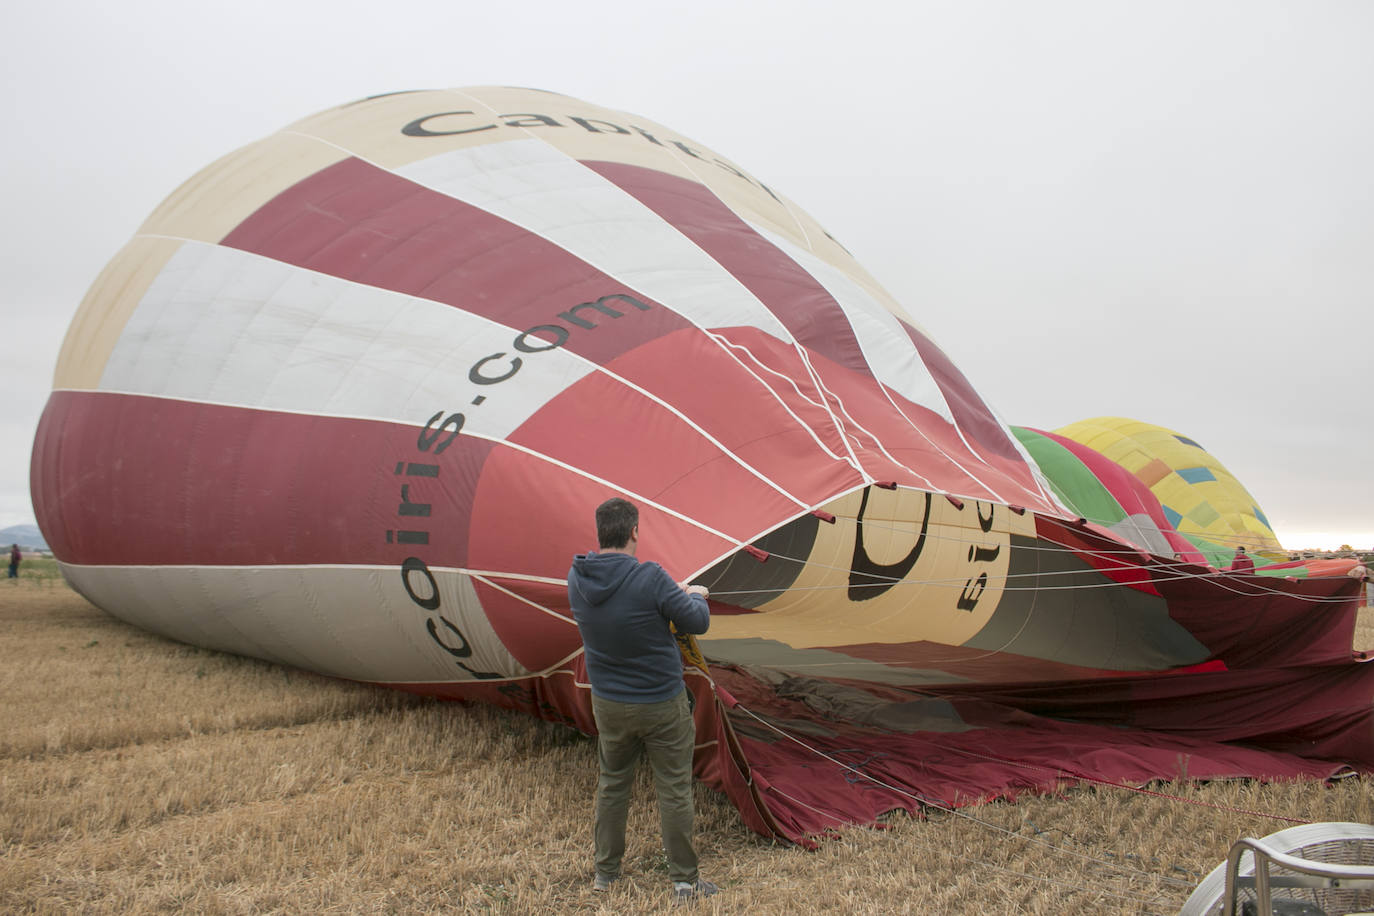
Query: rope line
[(1175, 574), (1124, 550)]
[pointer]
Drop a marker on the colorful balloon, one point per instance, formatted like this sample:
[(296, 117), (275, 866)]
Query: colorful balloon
[(1103, 492), (1201, 499)]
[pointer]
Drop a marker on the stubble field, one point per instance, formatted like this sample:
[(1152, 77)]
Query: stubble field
[(140, 775)]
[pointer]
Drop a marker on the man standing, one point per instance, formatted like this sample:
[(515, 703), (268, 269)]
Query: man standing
[(1242, 562), (15, 557), (623, 609)]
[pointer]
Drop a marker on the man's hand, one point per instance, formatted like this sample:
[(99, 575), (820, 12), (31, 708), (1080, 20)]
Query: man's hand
[(694, 589)]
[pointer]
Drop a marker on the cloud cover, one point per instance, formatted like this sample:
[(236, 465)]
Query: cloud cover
[(1163, 212)]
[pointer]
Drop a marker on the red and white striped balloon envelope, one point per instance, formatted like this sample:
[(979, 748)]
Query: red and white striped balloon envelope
[(348, 398)]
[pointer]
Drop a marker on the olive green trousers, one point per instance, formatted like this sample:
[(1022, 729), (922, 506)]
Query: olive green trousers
[(666, 733)]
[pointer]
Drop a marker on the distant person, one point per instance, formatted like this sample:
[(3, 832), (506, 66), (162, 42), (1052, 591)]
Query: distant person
[(1242, 562), (623, 609), (15, 557)]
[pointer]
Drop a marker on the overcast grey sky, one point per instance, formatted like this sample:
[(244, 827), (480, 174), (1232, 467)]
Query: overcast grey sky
[(1158, 210)]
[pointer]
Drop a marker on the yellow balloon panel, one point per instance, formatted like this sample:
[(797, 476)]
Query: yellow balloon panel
[(927, 569), (1200, 496)]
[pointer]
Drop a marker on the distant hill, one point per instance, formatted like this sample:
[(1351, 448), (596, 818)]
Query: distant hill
[(24, 535)]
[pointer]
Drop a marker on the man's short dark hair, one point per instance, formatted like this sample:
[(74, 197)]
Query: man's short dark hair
[(615, 519)]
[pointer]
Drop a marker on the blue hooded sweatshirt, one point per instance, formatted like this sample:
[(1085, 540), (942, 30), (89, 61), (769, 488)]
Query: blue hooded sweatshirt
[(622, 608)]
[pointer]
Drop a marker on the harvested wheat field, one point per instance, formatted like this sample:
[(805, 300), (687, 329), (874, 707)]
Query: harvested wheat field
[(140, 775)]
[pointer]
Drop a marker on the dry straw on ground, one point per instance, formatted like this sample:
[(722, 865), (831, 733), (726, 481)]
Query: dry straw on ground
[(139, 775)]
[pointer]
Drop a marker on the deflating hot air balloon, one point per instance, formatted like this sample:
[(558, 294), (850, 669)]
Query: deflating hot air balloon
[(349, 397)]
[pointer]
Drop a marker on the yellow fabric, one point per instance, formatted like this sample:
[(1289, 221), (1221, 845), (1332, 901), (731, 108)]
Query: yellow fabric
[(1221, 510), (947, 596)]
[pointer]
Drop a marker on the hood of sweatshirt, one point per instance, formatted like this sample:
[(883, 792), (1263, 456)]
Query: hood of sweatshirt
[(597, 576)]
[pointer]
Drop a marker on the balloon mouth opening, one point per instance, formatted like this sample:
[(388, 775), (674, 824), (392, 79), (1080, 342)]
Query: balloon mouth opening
[(758, 572)]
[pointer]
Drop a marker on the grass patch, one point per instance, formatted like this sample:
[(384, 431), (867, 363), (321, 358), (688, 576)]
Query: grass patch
[(141, 775)]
